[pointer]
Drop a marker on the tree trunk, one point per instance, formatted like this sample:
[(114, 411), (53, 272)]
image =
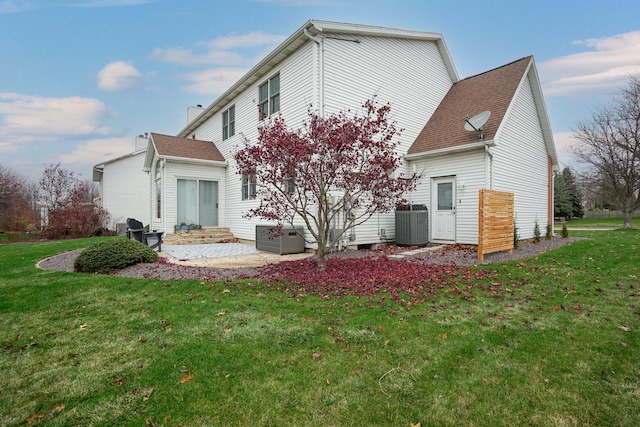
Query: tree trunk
[(320, 253), (627, 219)]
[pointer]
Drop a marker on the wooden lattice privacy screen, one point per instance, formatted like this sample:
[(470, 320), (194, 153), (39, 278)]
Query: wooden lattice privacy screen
[(495, 222)]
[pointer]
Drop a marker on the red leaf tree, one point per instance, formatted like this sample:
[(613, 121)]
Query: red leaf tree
[(332, 174)]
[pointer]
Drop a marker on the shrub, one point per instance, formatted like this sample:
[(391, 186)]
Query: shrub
[(113, 254), (516, 237), (565, 231), (536, 232), (549, 232)]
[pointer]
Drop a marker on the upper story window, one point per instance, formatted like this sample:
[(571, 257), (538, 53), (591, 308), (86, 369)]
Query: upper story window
[(269, 97), (229, 123)]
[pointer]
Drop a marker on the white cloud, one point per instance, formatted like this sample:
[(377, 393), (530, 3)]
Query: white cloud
[(25, 118), (603, 69), (300, 2), (186, 57), (14, 6), (237, 41), (119, 76), (565, 142), (232, 55), (226, 50), (108, 3), (214, 81), (96, 151)]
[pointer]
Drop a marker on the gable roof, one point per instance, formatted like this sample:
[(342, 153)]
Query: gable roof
[(493, 90), (301, 37), (98, 170), (186, 149)]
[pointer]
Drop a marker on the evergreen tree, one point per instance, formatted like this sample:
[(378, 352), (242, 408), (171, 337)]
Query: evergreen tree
[(575, 195), (567, 196), (562, 206)]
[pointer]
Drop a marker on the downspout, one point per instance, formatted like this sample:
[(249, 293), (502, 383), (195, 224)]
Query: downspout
[(490, 172), (320, 42)]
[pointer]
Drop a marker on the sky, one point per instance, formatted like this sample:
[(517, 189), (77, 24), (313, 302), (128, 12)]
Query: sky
[(79, 79)]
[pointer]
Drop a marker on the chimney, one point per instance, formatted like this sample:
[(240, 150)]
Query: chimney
[(142, 141), (193, 112)]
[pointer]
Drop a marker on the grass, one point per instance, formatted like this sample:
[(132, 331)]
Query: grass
[(557, 346), (600, 222)]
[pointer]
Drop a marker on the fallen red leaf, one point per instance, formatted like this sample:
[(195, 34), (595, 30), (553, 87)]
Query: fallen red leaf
[(35, 416), (185, 379)]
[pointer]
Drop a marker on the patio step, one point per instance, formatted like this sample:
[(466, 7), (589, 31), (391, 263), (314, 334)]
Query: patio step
[(198, 237)]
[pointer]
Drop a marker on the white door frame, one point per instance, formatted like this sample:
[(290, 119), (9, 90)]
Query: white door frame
[(443, 221)]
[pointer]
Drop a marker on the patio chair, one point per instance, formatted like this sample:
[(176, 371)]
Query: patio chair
[(153, 239)]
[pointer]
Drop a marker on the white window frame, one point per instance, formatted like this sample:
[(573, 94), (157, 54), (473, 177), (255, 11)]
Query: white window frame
[(269, 97), (229, 122), (158, 185), (248, 186)]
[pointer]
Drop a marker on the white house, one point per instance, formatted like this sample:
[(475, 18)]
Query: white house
[(124, 189), (191, 177), (516, 153)]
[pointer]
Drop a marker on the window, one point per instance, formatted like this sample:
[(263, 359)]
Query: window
[(269, 97), (248, 186), (289, 181), (158, 189), (445, 196), (229, 123)]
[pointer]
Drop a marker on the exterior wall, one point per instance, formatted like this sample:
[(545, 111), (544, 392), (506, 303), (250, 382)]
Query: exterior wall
[(414, 81), (469, 170), (409, 74), (182, 170), (125, 189), (298, 86), (521, 163)]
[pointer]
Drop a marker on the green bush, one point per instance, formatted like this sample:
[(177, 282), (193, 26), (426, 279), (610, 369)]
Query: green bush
[(113, 254), (536, 232)]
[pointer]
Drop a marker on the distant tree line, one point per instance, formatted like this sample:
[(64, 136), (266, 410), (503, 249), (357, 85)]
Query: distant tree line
[(59, 205), (610, 148)]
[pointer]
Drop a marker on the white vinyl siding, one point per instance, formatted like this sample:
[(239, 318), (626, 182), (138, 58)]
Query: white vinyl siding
[(468, 168), (125, 189), (409, 74), (190, 171), (297, 85), (521, 163)]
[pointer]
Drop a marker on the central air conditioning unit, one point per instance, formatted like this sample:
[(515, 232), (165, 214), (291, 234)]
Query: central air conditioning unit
[(412, 225)]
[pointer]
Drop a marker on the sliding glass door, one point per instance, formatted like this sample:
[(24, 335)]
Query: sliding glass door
[(197, 202)]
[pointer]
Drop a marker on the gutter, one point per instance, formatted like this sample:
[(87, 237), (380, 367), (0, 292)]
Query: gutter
[(191, 160), (457, 149)]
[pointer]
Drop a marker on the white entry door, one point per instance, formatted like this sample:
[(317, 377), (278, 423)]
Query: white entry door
[(443, 192)]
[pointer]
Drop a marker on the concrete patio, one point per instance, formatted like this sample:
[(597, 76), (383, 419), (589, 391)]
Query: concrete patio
[(224, 255)]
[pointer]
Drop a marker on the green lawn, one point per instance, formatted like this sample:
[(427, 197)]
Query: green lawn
[(554, 342), (600, 222)]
